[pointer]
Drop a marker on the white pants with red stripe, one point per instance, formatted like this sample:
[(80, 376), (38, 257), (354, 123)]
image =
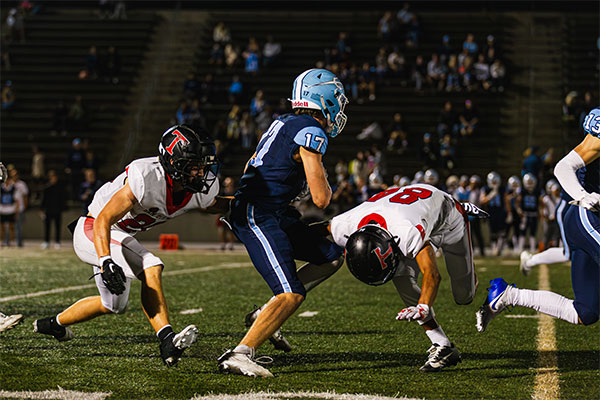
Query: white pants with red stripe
[(125, 251)]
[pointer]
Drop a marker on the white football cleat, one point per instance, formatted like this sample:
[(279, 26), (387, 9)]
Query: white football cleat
[(9, 321), (242, 364), (525, 257)]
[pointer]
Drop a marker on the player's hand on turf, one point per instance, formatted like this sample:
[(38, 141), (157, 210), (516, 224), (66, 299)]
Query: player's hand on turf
[(113, 277), (591, 201), (414, 313)]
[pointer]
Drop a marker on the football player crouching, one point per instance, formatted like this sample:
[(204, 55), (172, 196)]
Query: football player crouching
[(394, 236), (149, 192)]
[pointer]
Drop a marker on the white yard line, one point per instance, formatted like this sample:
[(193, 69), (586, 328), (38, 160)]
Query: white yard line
[(59, 394), (91, 285), (546, 380)]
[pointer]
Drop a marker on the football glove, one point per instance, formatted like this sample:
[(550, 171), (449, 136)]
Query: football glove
[(590, 201), (113, 277), (414, 313)]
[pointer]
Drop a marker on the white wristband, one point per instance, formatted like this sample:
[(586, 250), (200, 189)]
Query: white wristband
[(103, 258)]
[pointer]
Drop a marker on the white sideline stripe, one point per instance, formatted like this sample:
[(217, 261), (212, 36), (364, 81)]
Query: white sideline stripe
[(546, 379), (298, 395), (91, 285), (308, 314), (192, 311), (522, 316), (59, 394)]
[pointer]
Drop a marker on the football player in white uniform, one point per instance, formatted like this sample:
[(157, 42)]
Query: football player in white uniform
[(149, 192), (394, 235)]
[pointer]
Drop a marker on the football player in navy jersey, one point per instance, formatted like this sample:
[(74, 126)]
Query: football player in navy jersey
[(582, 232), (288, 157)]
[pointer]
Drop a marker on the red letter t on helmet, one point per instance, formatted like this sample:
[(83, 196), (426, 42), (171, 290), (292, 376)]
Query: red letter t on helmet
[(178, 138)]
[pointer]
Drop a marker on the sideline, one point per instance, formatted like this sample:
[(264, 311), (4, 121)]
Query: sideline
[(93, 285), (546, 379)]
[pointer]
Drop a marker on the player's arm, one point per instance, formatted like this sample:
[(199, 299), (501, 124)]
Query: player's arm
[(120, 204), (220, 205), (565, 171), (315, 177), (431, 275)]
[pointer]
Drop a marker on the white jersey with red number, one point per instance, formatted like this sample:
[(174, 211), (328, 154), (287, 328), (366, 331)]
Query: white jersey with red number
[(414, 213), (154, 195)]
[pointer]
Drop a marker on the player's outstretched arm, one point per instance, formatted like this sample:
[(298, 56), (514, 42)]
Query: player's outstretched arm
[(315, 177), (221, 205), (431, 275), (119, 205), (565, 171)]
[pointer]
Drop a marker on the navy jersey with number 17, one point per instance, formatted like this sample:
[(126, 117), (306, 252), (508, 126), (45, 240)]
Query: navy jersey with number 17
[(273, 178)]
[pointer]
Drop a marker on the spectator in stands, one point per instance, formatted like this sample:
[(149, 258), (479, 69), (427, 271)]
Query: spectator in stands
[(366, 83), (22, 197), (470, 45), (466, 73), (343, 46), (195, 117), (447, 152), (397, 65), (413, 33), (247, 130), (429, 152), (569, 109), (497, 73), (386, 30), (206, 90), (190, 86), (381, 65), (53, 204), (358, 167), (343, 196), (9, 204), (271, 51), (91, 64), (236, 90), (349, 77), (217, 55), (482, 72), (88, 189), (38, 171), (445, 50), (15, 26), (119, 11), (404, 16), (226, 236), (263, 120), (447, 121), (232, 55), (233, 123), (60, 119), (419, 72), (112, 65), (251, 56), (397, 135), (490, 45), (221, 34), (257, 104), (469, 119), (453, 79), (436, 73), (77, 116), (182, 114), (8, 96), (74, 166)]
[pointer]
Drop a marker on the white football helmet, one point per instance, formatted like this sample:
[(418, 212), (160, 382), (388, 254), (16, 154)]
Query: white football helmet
[(529, 181), (493, 179), (431, 177), (514, 182)]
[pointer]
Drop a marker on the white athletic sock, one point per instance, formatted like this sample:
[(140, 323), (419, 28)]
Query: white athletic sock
[(57, 320), (532, 245), (543, 301), (438, 336), (242, 348), (521, 243), (552, 255)]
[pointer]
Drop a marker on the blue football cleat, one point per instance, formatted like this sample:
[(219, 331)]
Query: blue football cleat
[(493, 305)]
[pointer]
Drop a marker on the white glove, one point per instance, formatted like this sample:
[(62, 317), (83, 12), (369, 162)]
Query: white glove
[(590, 201), (414, 313)]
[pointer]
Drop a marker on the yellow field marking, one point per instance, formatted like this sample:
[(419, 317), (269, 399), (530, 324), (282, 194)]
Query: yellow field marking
[(546, 380)]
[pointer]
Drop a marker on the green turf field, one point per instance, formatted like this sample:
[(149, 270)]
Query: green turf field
[(353, 345)]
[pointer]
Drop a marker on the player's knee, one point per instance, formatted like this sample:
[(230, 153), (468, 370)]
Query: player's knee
[(587, 315), (292, 299), (464, 298)]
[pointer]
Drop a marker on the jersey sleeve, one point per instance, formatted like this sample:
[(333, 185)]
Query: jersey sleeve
[(591, 124), (313, 138), (341, 229), (135, 178)]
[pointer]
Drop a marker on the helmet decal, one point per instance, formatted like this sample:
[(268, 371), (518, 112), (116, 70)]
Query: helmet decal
[(384, 256)]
